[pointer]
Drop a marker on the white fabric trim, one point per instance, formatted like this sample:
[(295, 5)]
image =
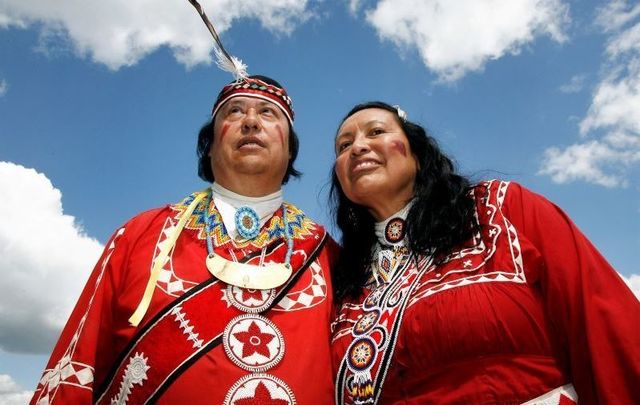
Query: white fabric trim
[(553, 397)]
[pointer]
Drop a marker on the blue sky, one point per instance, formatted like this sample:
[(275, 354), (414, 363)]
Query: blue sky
[(101, 102)]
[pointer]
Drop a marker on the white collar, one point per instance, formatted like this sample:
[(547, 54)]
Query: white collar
[(227, 202)]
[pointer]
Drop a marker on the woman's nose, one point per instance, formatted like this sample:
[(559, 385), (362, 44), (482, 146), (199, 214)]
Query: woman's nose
[(360, 146)]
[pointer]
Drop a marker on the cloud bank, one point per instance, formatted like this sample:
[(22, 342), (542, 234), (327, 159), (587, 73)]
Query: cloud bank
[(11, 393), (120, 33), (45, 259), (454, 38), (633, 281), (610, 131)]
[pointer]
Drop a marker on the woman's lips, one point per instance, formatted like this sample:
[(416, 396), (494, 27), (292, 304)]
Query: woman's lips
[(364, 165)]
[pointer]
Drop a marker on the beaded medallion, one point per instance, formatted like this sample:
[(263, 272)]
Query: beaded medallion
[(247, 222), (395, 230)]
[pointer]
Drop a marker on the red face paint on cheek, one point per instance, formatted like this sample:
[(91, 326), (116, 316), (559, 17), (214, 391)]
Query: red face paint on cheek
[(399, 146), (280, 134), (223, 131)]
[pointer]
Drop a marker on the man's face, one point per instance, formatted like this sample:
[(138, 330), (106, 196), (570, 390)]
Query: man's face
[(251, 137)]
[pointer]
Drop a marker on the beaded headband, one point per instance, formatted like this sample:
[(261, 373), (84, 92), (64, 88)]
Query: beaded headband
[(254, 87)]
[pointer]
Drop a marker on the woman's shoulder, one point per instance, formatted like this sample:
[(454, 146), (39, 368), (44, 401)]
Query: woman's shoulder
[(502, 192)]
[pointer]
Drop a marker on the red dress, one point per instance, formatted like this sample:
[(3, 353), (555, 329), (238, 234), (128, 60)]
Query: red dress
[(201, 341), (533, 307)]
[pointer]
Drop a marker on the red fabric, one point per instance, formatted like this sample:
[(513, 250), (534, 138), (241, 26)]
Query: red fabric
[(477, 330), (114, 290)]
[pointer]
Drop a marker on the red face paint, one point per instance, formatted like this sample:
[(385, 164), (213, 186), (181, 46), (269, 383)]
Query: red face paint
[(280, 134), (223, 131), (400, 147)]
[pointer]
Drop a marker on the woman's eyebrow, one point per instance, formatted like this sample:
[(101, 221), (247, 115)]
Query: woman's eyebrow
[(343, 134)]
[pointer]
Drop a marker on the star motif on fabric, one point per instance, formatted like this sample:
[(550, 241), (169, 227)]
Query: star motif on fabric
[(248, 294), (254, 341), (261, 396)]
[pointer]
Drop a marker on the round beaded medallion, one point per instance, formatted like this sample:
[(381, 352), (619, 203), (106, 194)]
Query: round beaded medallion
[(361, 353), (395, 230), (367, 321), (250, 300), (372, 300), (253, 342), (260, 389), (247, 222)]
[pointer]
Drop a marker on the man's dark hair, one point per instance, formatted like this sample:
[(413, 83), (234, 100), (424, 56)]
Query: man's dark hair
[(205, 140), (441, 218)]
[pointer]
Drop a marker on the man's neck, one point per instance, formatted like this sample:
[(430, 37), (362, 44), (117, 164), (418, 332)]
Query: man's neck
[(249, 186)]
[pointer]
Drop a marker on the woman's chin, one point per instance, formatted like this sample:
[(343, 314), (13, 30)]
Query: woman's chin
[(366, 194)]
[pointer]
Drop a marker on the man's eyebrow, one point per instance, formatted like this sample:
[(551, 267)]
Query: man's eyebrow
[(233, 102), (265, 102)]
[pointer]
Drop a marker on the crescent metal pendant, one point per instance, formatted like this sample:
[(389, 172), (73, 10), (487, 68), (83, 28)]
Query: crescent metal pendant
[(247, 222), (248, 275)]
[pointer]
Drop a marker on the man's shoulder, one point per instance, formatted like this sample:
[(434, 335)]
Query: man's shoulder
[(144, 219)]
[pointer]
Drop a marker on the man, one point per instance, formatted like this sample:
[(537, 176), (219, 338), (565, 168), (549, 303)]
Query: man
[(224, 297)]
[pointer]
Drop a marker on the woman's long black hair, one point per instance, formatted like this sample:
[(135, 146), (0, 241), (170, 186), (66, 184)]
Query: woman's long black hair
[(441, 218)]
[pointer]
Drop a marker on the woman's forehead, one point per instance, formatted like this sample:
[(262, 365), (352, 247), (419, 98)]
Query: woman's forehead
[(365, 118)]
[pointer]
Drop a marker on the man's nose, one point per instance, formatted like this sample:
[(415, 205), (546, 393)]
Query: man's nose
[(250, 122)]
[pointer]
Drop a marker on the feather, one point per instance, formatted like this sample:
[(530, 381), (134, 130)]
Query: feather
[(224, 60)]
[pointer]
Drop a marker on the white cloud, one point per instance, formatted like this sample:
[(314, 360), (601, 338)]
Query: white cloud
[(584, 161), (456, 37), (611, 127), (616, 102), (575, 85), (4, 86), (11, 393), (45, 259), (633, 282), (354, 6), (616, 14), (627, 41), (119, 33)]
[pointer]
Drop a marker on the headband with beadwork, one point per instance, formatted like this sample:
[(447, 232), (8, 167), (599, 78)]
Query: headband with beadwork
[(254, 87)]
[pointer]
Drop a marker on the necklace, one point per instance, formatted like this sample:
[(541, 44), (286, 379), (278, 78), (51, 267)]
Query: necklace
[(391, 251), (248, 275), (247, 222)]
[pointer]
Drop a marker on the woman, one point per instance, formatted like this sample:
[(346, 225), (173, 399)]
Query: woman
[(456, 293)]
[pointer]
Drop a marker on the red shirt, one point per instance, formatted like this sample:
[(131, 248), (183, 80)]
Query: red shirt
[(98, 337), (532, 307)]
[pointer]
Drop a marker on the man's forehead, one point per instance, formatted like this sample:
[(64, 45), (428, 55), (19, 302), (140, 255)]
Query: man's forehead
[(249, 100)]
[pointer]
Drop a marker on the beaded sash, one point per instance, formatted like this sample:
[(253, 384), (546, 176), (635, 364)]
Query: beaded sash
[(364, 367)]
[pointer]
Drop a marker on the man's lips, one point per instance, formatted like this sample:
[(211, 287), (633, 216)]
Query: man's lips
[(250, 141)]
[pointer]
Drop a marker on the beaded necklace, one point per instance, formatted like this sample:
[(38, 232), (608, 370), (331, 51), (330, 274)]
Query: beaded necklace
[(248, 275)]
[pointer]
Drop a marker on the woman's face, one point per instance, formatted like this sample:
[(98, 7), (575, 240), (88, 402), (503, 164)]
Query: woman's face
[(374, 163)]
